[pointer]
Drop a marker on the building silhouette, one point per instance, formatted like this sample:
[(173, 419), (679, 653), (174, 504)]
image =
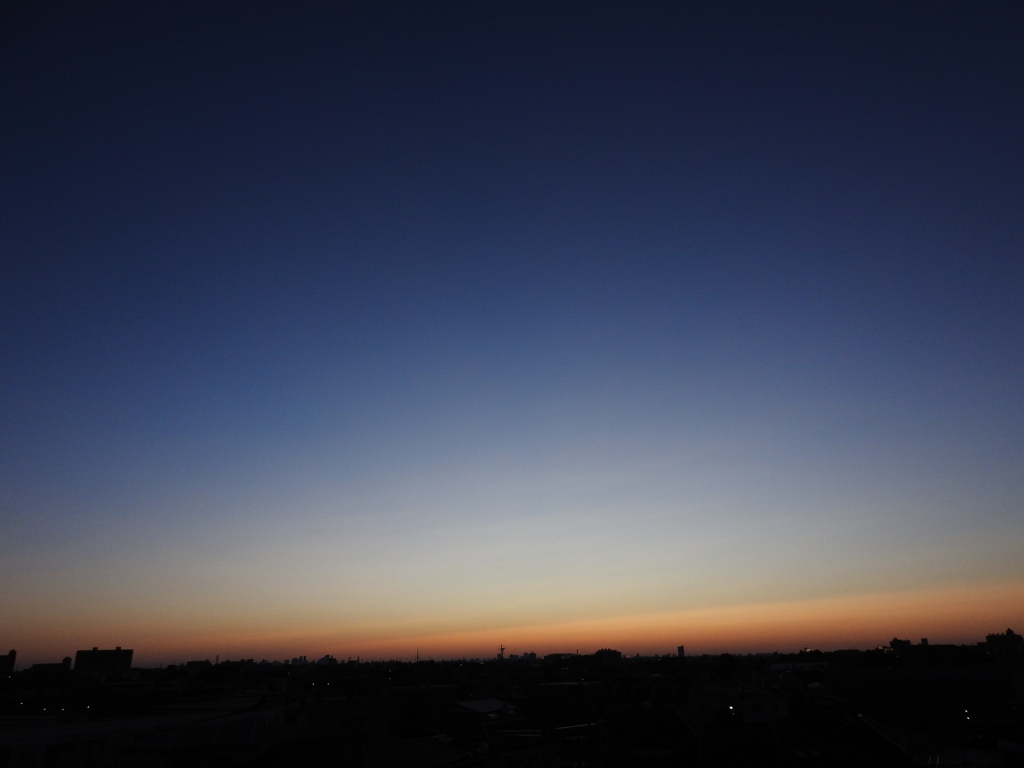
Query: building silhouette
[(62, 667), (1007, 642), (104, 662)]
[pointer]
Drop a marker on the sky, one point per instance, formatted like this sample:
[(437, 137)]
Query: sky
[(376, 328)]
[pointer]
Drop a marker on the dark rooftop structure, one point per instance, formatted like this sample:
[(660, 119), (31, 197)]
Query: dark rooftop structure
[(1008, 641), (60, 666), (7, 663), (104, 662)]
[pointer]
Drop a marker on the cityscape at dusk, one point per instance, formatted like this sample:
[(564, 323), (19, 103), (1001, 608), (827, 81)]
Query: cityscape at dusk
[(511, 385), (416, 331)]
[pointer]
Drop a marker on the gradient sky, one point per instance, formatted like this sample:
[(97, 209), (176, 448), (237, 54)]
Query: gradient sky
[(358, 329)]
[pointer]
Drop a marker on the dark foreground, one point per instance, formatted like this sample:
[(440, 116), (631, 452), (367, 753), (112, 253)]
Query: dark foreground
[(902, 705)]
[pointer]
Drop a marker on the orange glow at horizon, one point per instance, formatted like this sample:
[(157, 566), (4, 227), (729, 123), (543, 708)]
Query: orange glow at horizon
[(953, 615), (864, 621)]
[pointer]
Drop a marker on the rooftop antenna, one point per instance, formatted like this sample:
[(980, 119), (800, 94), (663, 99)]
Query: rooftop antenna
[(501, 651)]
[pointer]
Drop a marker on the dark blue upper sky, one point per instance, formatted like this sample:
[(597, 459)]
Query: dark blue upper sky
[(251, 249)]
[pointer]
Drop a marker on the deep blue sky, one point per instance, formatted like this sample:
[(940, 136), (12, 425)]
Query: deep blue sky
[(643, 271)]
